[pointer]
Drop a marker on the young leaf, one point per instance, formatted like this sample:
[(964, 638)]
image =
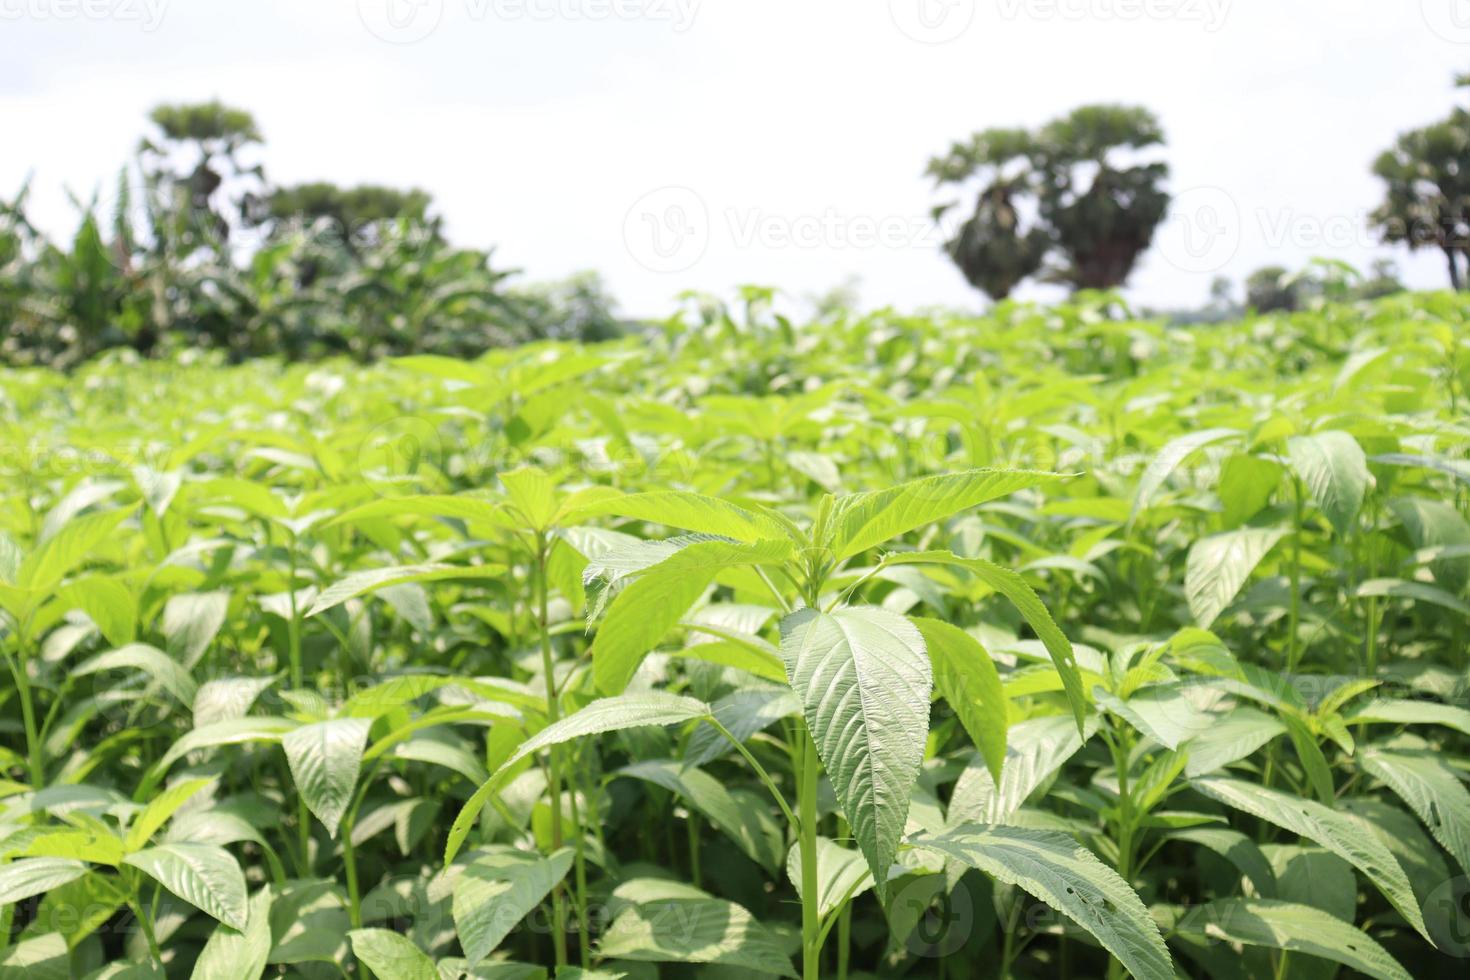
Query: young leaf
[(496, 890), (159, 809), (969, 682), (388, 954), (325, 758), (658, 598), (604, 715), (205, 876), (1069, 878), (691, 512), (1015, 589), (1168, 459), (23, 878), (1335, 471), (861, 521), (864, 681), (1219, 565)]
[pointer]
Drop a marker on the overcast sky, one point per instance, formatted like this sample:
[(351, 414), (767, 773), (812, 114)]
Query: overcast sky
[(675, 144)]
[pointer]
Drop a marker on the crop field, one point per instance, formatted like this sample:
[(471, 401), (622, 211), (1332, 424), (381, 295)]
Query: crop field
[(1049, 643)]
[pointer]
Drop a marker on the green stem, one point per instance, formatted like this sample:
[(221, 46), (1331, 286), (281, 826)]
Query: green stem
[(553, 713), (1293, 653), (811, 940), (298, 682), (27, 706), (584, 939)]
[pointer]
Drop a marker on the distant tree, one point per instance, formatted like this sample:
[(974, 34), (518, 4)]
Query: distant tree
[(576, 308), (1383, 280), (1427, 199), (1102, 211), (196, 149), (1272, 290), (359, 214), (1069, 194), (993, 247)]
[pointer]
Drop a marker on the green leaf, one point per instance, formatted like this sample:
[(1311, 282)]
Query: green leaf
[(658, 598), (1015, 589), (1335, 470), (26, 877), (1430, 788), (1246, 484), (1035, 749), (1174, 452), (390, 955), (45, 567), (604, 715), (743, 713), (107, 602), (1398, 711), (861, 521), (694, 930), (969, 682), (1289, 926), (1314, 763), (465, 508), (1415, 591), (205, 876), (150, 660), (864, 681), (1236, 848), (191, 621), (752, 830), (1437, 524), (43, 957), (238, 954), (159, 809), (1219, 565), (842, 875), (533, 494), (1068, 877), (361, 583), (496, 890), (325, 758), (691, 512), (1342, 834)]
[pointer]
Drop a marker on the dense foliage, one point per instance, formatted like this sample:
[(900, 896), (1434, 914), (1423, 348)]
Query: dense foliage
[(1054, 643)]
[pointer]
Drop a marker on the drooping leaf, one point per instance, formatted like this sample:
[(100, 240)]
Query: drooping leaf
[(388, 954), (1341, 833), (694, 930), (325, 758), (1291, 926), (1430, 788), (26, 877), (238, 954), (1219, 565), (1069, 878), (205, 876), (969, 682), (496, 890), (1335, 471), (864, 681)]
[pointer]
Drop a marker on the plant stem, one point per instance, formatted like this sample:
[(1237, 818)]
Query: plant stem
[(553, 714), (1294, 614), (27, 706), (298, 682), (811, 942), (584, 940)]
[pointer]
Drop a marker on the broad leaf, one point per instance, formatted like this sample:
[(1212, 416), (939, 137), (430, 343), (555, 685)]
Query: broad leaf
[(1069, 878), (325, 758), (1335, 471), (864, 681), (496, 890), (1290, 926), (388, 954), (1219, 565), (205, 876), (694, 930), (969, 682)]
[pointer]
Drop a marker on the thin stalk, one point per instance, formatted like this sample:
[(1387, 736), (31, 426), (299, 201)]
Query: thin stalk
[(584, 940), (760, 770), (553, 714), (811, 939), (692, 826), (298, 682), (1293, 653), (17, 664)]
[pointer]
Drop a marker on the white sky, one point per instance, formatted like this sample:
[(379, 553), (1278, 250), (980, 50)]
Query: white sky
[(794, 132)]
